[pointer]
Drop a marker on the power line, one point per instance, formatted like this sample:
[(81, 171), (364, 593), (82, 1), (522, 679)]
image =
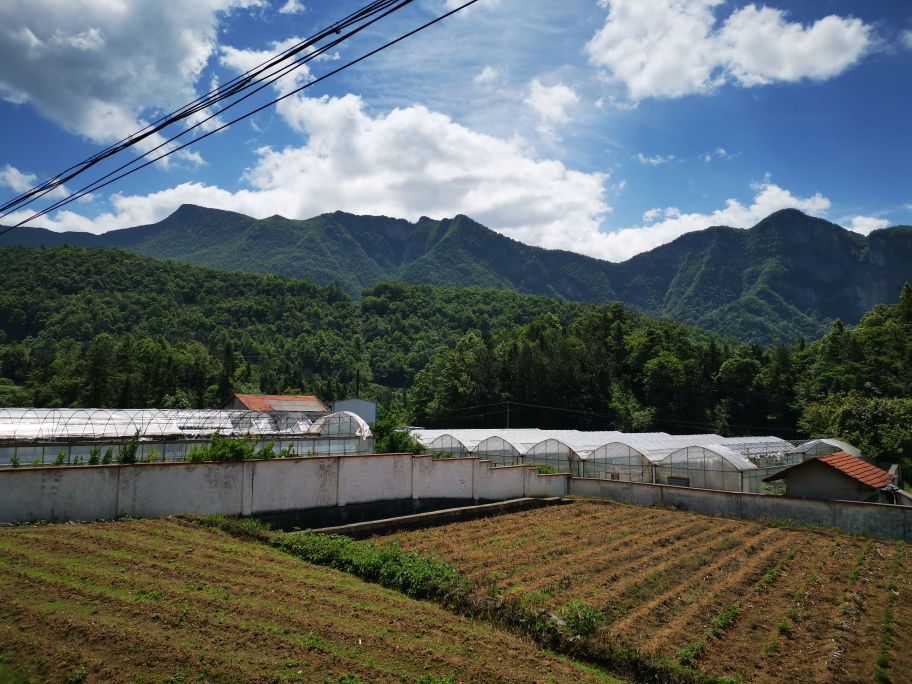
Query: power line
[(97, 185), (213, 97)]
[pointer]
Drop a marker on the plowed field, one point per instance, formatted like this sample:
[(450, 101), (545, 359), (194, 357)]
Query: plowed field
[(730, 597), (160, 601)]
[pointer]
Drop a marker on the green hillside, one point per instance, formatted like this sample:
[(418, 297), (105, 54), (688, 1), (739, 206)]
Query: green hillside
[(788, 277)]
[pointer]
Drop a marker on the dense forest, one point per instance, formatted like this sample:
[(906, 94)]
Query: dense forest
[(84, 327)]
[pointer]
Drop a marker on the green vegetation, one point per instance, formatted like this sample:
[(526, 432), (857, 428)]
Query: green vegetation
[(233, 449), (83, 327), (774, 281)]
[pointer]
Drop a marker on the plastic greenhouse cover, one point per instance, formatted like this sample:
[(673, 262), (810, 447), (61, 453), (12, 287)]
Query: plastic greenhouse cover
[(50, 424), (814, 446)]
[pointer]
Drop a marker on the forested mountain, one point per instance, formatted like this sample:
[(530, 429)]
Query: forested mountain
[(789, 276)]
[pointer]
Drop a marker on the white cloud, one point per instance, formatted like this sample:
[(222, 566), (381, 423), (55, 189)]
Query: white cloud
[(487, 75), (655, 160), (866, 224), (406, 163), (91, 78), (718, 153), (551, 103), (292, 7), (22, 181), (907, 39), (671, 48)]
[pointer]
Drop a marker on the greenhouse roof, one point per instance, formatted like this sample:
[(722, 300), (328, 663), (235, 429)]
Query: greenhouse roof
[(19, 424), (655, 446)]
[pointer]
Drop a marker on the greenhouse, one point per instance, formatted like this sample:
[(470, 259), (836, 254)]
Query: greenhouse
[(700, 460), (707, 467), (822, 447), (44, 436)]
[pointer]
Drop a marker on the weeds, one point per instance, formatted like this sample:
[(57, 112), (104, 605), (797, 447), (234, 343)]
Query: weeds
[(108, 457), (582, 620), (244, 449), (14, 461), (95, 455), (61, 458), (860, 562), (545, 469), (886, 627), (785, 627), (150, 457), (77, 676), (38, 462), (126, 454)]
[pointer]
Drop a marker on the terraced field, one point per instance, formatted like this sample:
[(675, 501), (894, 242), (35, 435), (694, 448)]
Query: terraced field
[(161, 601), (729, 597)]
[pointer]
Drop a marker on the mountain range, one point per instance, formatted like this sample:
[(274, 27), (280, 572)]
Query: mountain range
[(788, 276)]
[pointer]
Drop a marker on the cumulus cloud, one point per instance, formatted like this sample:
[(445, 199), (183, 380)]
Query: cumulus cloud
[(94, 78), (655, 160), (552, 104), (907, 39), (406, 163), (292, 7), (866, 224), (22, 181), (671, 48)]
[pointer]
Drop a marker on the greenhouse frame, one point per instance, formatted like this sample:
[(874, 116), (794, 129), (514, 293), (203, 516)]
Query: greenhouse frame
[(41, 436), (703, 460)]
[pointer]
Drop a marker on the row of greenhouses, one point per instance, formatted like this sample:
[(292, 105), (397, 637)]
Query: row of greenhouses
[(41, 436), (707, 460)]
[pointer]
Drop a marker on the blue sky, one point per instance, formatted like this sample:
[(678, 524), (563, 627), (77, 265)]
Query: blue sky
[(602, 127)]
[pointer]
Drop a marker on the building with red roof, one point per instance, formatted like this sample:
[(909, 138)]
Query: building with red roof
[(835, 476), (270, 403)]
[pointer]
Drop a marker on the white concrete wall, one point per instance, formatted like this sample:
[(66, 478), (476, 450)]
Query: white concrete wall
[(168, 488), (446, 478), (291, 484), (545, 485), (851, 516), (374, 478), (57, 494), (494, 484)]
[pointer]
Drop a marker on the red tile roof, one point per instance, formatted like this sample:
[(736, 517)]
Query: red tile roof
[(282, 402), (858, 469)]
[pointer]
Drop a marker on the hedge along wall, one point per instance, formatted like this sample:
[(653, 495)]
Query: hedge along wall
[(160, 489)]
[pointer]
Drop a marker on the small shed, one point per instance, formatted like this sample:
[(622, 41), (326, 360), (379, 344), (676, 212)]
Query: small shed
[(307, 404), (835, 476)]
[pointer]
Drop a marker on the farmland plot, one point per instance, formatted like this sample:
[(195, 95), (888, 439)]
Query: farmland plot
[(729, 597), (160, 601)]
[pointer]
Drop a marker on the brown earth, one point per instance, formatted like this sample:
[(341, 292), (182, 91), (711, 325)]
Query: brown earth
[(161, 601), (809, 604)]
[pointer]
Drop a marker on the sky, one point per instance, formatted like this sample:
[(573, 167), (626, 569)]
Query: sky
[(605, 127)]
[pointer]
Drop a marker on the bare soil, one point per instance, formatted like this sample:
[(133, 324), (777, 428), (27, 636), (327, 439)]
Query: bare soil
[(160, 601), (809, 603)]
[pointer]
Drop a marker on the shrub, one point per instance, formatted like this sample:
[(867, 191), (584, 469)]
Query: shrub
[(38, 462), (77, 461), (150, 457), (127, 452), (582, 619), (545, 469), (108, 456), (411, 573), (61, 458), (14, 461), (223, 449), (95, 455)]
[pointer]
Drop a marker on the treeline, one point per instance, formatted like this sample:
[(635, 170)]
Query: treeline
[(82, 327)]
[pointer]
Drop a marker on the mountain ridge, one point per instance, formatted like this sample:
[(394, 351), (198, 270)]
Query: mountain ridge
[(787, 276)]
